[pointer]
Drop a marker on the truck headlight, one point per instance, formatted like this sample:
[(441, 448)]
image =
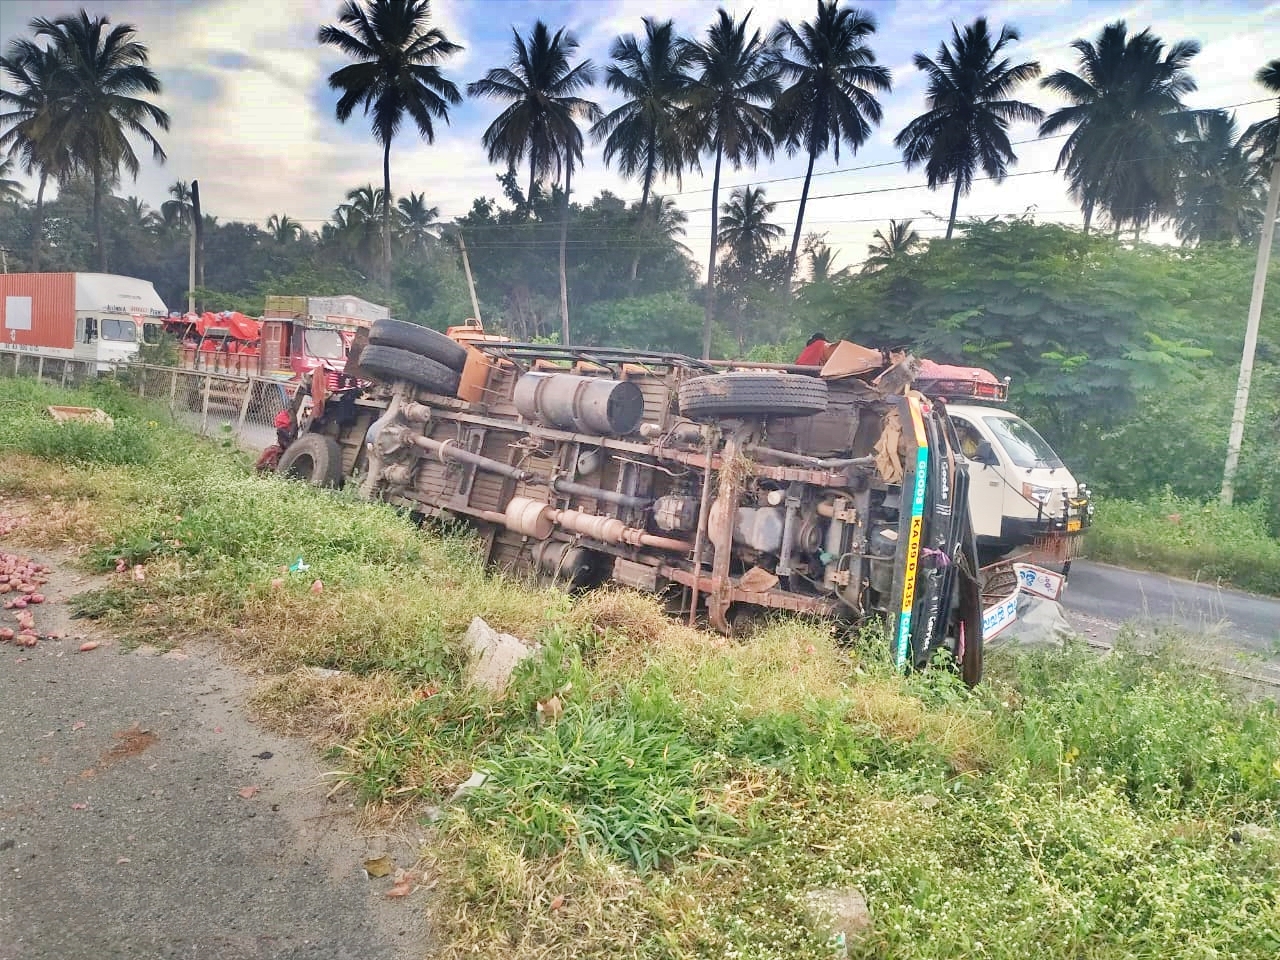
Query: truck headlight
[(1036, 493)]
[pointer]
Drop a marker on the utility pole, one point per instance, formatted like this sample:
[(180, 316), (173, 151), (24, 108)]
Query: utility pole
[(197, 231), (1251, 332), (4, 259), (471, 284)]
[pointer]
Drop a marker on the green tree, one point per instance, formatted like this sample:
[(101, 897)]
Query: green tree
[(356, 226), (397, 72), (543, 108), (283, 228), (9, 189), (969, 111), (833, 78), (745, 229), (541, 119), (643, 135), (821, 259), (900, 241), (1221, 192), (1264, 135), (736, 81), (35, 134), (177, 211), (1126, 118), (100, 107), (418, 222)]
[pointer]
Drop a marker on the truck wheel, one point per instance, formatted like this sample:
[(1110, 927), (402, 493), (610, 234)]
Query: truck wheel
[(744, 394), (314, 458), (421, 340), (390, 364)]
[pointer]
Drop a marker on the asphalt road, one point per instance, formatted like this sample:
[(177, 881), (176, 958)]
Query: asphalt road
[(144, 815), (1101, 598)]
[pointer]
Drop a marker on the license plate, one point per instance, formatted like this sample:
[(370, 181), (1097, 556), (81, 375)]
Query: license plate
[(1073, 526)]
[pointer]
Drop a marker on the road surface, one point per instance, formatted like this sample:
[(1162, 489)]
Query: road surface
[(1100, 598), (143, 814)]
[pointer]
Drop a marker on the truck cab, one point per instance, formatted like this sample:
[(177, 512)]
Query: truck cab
[(1022, 497), (1021, 494)]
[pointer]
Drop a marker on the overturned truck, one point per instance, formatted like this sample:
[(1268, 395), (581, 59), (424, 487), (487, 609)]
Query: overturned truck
[(727, 492)]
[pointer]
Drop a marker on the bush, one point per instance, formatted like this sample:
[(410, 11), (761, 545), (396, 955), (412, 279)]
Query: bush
[(1188, 538)]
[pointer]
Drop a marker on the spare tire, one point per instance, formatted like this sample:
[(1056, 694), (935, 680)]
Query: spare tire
[(389, 364), (747, 394), (421, 340), (313, 458)]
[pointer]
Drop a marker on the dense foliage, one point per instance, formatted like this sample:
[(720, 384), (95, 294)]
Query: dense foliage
[(1125, 356)]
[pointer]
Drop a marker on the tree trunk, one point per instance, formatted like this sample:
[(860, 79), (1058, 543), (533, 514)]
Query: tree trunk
[(644, 203), (795, 240), (37, 226), (711, 260), (955, 202), (100, 248), (528, 197), (386, 219), (1088, 216), (564, 279)]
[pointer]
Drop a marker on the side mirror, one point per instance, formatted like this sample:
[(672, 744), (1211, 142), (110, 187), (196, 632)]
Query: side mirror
[(986, 454)]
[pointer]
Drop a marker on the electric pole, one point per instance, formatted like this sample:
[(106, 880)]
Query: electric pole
[(1251, 332)]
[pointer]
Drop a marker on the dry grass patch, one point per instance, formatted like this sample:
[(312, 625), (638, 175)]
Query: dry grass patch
[(495, 902), (326, 708)]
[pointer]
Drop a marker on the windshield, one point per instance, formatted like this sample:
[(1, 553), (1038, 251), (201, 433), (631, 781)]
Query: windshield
[(1025, 447), (325, 344), (122, 330)]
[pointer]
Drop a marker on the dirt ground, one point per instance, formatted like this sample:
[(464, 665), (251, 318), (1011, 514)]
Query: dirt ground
[(144, 814)]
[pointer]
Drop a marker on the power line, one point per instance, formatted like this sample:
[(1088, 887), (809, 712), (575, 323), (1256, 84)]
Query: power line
[(841, 170)]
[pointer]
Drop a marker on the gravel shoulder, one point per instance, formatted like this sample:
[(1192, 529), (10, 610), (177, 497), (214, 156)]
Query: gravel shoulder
[(144, 814)]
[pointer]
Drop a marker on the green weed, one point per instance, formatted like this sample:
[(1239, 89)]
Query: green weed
[(1189, 538)]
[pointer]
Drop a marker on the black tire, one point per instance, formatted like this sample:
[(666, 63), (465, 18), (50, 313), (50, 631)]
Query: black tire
[(745, 394), (390, 364), (313, 458), (421, 340)]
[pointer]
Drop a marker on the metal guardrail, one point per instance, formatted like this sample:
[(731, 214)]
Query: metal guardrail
[(239, 408)]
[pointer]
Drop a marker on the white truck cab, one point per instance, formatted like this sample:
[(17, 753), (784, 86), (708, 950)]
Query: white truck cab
[(1022, 497)]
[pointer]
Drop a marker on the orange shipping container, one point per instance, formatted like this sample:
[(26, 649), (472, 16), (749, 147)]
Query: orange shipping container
[(37, 311)]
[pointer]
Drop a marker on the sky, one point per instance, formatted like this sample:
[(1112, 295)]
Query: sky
[(245, 84)]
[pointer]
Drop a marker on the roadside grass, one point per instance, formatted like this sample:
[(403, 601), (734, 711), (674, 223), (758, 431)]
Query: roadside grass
[(1188, 538), (694, 790)]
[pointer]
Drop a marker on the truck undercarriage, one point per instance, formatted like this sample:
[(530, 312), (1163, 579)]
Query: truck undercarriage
[(727, 493)]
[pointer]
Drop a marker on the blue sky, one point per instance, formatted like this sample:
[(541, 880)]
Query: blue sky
[(245, 84)]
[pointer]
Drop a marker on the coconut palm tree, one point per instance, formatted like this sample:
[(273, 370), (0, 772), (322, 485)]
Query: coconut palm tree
[(35, 134), (9, 189), (396, 71), (822, 263), (418, 222), (643, 134), (830, 100), (358, 224), (735, 82), (541, 90), (900, 241), (1264, 136), (177, 212), (1126, 120), (969, 111), (105, 73), (1221, 191), (136, 213), (745, 230), (283, 228)]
